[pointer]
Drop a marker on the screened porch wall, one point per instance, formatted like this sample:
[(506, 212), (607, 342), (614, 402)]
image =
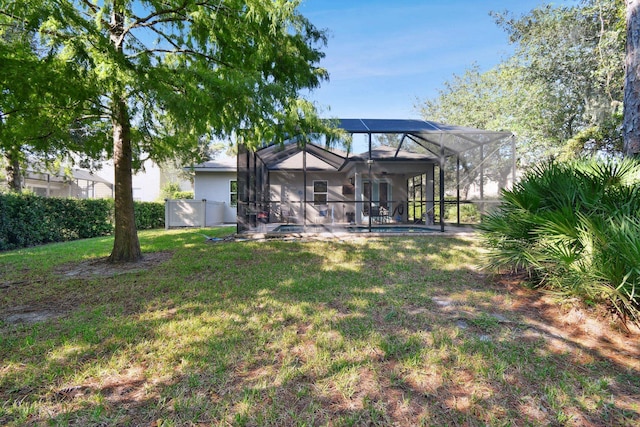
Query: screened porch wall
[(434, 172)]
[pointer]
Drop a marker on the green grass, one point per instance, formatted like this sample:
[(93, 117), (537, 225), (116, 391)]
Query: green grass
[(401, 331)]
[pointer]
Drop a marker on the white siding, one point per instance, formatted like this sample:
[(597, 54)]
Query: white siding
[(214, 186)]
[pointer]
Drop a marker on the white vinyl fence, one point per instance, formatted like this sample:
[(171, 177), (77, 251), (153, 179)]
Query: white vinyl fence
[(193, 213)]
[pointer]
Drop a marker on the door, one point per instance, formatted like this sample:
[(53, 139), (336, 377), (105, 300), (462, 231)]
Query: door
[(380, 194)]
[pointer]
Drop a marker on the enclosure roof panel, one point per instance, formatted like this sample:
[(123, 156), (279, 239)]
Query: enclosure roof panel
[(421, 140), (450, 138), (80, 174), (296, 162), (410, 126), (88, 176), (391, 153), (289, 156)]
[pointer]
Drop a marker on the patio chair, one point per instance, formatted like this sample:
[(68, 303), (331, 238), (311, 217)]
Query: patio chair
[(288, 214), (323, 212)]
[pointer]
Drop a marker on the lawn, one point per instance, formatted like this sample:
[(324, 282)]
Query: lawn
[(381, 331)]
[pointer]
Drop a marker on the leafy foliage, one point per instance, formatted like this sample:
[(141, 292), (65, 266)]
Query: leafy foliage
[(149, 215), (561, 90), (174, 75), (48, 103), (29, 220), (172, 191), (574, 227)]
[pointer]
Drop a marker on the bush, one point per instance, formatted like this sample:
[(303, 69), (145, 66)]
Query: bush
[(469, 212), (574, 227), (183, 195), (28, 220), (172, 191), (149, 215)]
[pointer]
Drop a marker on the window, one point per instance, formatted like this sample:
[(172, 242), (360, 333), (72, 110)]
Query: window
[(320, 190), (233, 193)]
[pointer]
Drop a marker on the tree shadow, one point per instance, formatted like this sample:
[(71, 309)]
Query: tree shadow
[(344, 333)]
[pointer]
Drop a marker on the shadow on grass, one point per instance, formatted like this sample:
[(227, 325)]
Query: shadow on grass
[(385, 331)]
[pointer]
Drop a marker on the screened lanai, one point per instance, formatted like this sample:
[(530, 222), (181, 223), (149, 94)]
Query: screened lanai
[(382, 173)]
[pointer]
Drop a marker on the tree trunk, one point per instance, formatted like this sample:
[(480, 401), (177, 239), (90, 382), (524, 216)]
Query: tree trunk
[(126, 246), (12, 170), (631, 121)]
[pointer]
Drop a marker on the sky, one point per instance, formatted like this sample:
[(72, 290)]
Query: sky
[(384, 57)]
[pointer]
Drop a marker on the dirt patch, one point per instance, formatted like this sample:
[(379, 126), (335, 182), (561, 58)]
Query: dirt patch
[(565, 324), (58, 307), (29, 315), (102, 268)]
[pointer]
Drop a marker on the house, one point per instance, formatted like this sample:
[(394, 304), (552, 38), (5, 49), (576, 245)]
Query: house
[(148, 182), (216, 181), (404, 171), (78, 183)]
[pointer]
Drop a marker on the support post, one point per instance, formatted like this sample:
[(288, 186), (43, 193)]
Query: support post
[(458, 186), (304, 184), (442, 207), (369, 163)]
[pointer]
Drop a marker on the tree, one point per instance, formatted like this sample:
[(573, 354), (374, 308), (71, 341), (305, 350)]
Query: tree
[(45, 106), (175, 74), (631, 124), (560, 92), (575, 55)]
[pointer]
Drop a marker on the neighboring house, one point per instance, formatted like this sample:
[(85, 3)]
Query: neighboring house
[(216, 181), (79, 184), (404, 174), (147, 184)]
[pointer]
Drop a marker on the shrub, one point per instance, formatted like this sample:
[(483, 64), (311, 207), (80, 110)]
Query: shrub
[(183, 195), (149, 215), (172, 191), (28, 220), (574, 227), (469, 212)]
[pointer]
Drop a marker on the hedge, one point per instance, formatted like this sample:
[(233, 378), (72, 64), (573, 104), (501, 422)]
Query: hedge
[(28, 220), (149, 215)]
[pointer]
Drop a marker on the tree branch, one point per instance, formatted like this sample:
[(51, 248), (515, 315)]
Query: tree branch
[(93, 7), (149, 21), (191, 52), (138, 22)]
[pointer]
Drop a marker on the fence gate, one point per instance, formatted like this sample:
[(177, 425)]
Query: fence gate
[(193, 213)]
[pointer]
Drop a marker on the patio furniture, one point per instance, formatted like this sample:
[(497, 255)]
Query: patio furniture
[(323, 212), (289, 215)]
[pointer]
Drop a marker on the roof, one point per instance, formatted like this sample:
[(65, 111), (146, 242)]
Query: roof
[(224, 164), (407, 126), (290, 156), (80, 174), (88, 176), (418, 140), (387, 153), (433, 136)]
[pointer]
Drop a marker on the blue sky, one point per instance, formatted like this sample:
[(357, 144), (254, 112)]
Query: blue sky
[(385, 56)]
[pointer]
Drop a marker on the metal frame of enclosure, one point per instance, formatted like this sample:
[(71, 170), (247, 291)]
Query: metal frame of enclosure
[(381, 172)]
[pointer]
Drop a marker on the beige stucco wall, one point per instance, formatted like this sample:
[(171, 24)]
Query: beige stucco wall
[(288, 194)]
